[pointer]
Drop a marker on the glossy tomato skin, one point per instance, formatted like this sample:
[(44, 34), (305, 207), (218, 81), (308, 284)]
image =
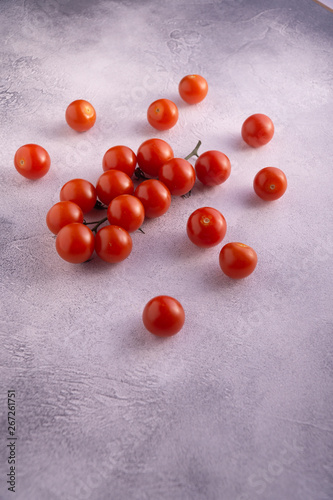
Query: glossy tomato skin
[(32, 161), (206, 227), (113, 244), (257, 130), (61, 214), (193, 88), (75, 243), (81, 192), (163, 316), (120, 158), (178, 175), (127, 212), (154, 196), (113, 183), (270, 183), (162, 114), (80, 115), (237, 260), (212, 168), (152, 154)]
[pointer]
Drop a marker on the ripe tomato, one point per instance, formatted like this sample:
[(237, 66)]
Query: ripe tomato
[(206, 227), (80, 115), (113, 244), (193, 88), (112, 184), (270, 183), (212, 168), (162, 114), (154, 196), (75, 243), (61, 214), (178, 175), (126, 211), (257, 130), (120, 158), (238, 260), (81, 192), (163, 316), (32, 161), (152, 154)]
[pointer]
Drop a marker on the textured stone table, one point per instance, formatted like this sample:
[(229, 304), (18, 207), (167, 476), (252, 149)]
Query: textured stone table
[(238, 406)]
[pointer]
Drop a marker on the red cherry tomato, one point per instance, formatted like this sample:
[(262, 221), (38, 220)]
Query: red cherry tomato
[(257, 130), (270, 183), (80, 115), (238, 260), (193, 88), (152, 154), (154, 196), (32, 161), (113, 244), (61, 214), (75, 243), (212, 168), (206, 227), (120, 158), (81, 192), (162, 114), (113, 183), (163, 316), (178, 175), (126, 211)]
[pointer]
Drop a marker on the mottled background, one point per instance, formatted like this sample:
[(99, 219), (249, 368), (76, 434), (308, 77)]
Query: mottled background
[(238, 406)]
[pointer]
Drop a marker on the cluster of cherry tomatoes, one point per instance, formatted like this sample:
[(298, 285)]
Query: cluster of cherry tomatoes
[(160, 175)]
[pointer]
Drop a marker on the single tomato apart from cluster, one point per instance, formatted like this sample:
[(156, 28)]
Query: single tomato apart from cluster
[(206, 227), (32, 161), (162, 114), (257, 130), (80, 115), (163, 316), (270, 183), (237, 260), (193, 88)]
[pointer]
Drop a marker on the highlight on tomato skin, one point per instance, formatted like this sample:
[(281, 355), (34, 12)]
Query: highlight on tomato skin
[(120, 158), (80, 115), (163, 316), (193, 88), (270, 183), (162, 114), (75, 243), (206, 227), (237, 260), (152, 154), (257, 130), (32, 161)]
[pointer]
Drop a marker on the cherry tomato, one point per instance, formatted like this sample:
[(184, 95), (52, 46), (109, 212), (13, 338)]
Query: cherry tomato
[(113, 244), (112, 184), (152, 154), (61, 214), (126, 211), (257, 130), (80, 115), (163, 316), (193, 88), (238, 260), (75, 243), (81, 192), (270, 183), (212, 168), (32, 161), (154, 196), (162, 114), (206, 227), (120, 158), (178, 175)]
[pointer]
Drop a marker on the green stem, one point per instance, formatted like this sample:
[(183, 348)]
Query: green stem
[(97, 222), (194, 152)]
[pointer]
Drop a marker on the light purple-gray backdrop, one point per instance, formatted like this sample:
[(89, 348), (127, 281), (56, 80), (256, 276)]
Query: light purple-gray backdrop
[(238, 406)]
